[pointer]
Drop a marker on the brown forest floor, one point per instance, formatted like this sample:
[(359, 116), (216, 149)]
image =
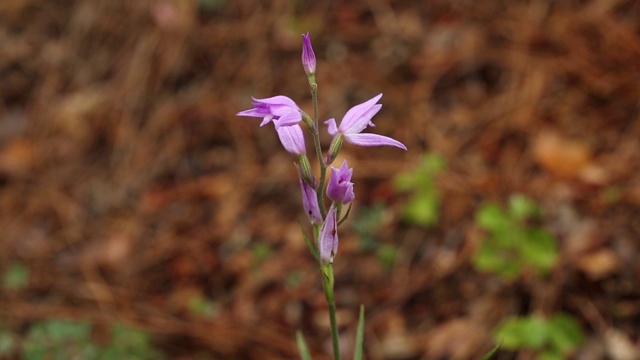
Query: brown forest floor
[(129, 188)]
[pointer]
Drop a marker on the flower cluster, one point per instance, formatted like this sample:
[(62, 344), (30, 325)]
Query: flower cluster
[(286, 116)]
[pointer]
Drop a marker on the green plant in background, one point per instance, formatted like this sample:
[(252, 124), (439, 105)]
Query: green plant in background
[(553, 338), (16, 277), (512, 244), (128, 344), (56, 339), (423, 206), (61, 339), (367, 225)]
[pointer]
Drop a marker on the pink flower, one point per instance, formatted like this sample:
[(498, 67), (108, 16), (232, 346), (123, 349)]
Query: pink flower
[(356, 120), (280, 109), (340, 187)]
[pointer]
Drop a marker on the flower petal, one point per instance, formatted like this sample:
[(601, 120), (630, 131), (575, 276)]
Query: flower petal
[(359, 116), (290, 118), (373, 140), (277, 100), (252, 113), (340, 187), (292, 139), (333, 128), (266, 120)]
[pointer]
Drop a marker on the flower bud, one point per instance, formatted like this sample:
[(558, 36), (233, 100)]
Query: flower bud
[(334, 148), (328, 239), (310, 202), (308, 56), (340, 187), (304, 168)]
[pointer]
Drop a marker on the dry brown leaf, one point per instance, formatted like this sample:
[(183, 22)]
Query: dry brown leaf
[(561, 156), (17, 157), (599, 264), (456, 339), (619, 346), (397, 343)]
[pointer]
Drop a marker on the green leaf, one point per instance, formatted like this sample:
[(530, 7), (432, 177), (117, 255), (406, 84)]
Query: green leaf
[(55, 339), (424, 203), (404, 182), (539, 249), (522, 332), (492, 258), (550, 355), (16, 277), (521, 207), (488, 355), (367, 225), (423, 209), (565, 333), (8, 343), (302, 346), (129, 344), (387, 255), (310, 245), (491, 217), (357, 355)]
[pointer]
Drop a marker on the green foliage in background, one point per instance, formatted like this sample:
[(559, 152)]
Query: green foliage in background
[(552, 338), (59, 340), (423, 206), (512, 243), (16, 277), (367, 225), (128, 344), (63, 340)]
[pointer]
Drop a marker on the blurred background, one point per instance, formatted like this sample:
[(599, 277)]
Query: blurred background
[(140, 218)]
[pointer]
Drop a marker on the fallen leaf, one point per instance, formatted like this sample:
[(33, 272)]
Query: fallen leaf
[(561, 156), (599, 264)]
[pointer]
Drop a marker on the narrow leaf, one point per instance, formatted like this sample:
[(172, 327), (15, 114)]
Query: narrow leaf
[(302, 346), (344, 218), (359, 336), (492, 352), (309, 243)]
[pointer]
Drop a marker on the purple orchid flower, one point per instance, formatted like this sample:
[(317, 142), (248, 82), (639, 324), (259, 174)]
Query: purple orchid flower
[(308, 56), (292, 139), (310, 202), (328, 240), (340, 187), (280, 109), (356, 120)]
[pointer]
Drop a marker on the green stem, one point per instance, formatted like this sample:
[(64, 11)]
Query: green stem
[(318, 148), (334, 331), (327, 284)]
